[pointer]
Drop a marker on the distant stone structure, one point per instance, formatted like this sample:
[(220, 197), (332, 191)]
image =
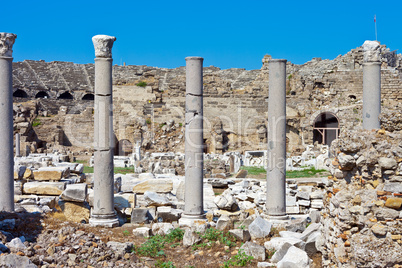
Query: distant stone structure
[(324, 98)]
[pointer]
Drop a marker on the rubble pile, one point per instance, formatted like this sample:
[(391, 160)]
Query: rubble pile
[(362, 219)]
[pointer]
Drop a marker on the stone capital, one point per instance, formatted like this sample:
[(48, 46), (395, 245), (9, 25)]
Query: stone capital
[(103, 45), (6, 44), (372, 51)]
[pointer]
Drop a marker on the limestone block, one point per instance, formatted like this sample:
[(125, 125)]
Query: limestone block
[(75, 192), (51, 173), (276, 243), (224, 223), (317, 203), (304, 203), (13, 260), (259, 228), (190, 237), (255, 250), (128, 182), (293, 210), (146, 176), (387, 163), (241, 174), (44, 188), (393, 187), (142, 232), (75, 212), (139, 215), (394, 203), (19, 172), (303, 195), (290, 201), (154, 199), (226, 201), (28, 174), (313, 227), (241, 235), (279, 254), (311, 243), (16, 244), (123, 201), (168, 214), (294, 257), (18, 187), (154, 185), (347, 162), (162, 228)]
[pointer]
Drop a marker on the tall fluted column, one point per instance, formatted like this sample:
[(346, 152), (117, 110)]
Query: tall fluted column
[(6, 130), (103, 213), (194, 143), (276, 171), (371, 85)]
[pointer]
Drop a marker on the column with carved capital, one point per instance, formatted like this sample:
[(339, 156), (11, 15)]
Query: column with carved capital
[(371, 85), (103, 213), (6, 130)]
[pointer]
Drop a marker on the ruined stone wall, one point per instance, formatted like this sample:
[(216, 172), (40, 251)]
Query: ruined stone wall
[(362, 220), (237, 96)]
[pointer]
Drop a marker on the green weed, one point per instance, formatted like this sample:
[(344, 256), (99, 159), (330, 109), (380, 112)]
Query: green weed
[(36, 122), (141, 84), (162, 264), (240, 259)]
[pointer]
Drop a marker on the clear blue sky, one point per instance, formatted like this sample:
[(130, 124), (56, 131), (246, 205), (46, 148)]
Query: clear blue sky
[(226, 33)]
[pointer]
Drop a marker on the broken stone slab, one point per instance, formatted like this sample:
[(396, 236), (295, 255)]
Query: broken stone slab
[(162, 228), (311, 243), (168, 214), (294, 257), (224, 223), (76, 168), (120, 247), (240, 234), (276, 243), (287, 234), (154, 199), (44, 188), (387, 163), (293, 209), (13, 260), (259, 228), (304, 203), (317, 194), (75, 212), (313, 227), (75, 192), (128, 182), (254, 250), (241, 174), (226, 201), (290, 201), (190, 237), (142, 232), (19, 172), (303, 195), (315, 216), (18, 187), (51, 173), (146, 176), (317, 203), (279, 254), (16, 244), (246, 205), (154, 185), (139, 215)]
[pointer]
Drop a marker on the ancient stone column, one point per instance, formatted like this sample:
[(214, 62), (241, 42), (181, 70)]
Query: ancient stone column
[(103, 213), (371, 85), (6, 130), (276, 171), (194, 143), (17, 145)]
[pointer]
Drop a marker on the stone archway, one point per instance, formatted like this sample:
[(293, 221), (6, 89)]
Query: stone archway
[(326, 128), (42, 95), (19, 93), (123, 147), (89, 97), (66, 96)]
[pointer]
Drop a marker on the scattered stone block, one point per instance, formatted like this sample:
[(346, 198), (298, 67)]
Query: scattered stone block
[(241, 174), (255, 250), (75, 192), (226, 201), (241, 235), (162, 228), (139, 215), (313, 227), (154, 199), (156, 185), (142, 232), (311, 248), (51, 173), (276, 243), (168, 214), (224, 223), (44, 188), (303, 195), (347, 162), (75, 212), (295, 258), (259, 228), (293, 210), (16, 244), (279, 254), (190, 237), (19, 172)]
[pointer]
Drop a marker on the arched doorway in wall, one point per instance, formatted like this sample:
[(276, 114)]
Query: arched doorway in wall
[(326, 128), (66, 96), (20, 94), (88, 96), (41, 95), (123, 147)]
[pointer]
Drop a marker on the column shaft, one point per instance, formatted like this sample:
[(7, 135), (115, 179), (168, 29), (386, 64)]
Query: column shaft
[(371, 95), (103, 213), (194, 148), (17, 145), (6, 136), (276, 171)]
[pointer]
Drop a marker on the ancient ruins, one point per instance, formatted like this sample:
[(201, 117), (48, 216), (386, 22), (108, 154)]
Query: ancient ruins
[(186, 133)]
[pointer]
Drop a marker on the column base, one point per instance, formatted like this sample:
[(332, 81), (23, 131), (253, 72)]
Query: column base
[(104, 222), (191, 220)]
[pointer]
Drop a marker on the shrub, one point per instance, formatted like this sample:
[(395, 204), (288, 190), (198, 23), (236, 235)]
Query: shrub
[(240, 259), (141, 84)]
